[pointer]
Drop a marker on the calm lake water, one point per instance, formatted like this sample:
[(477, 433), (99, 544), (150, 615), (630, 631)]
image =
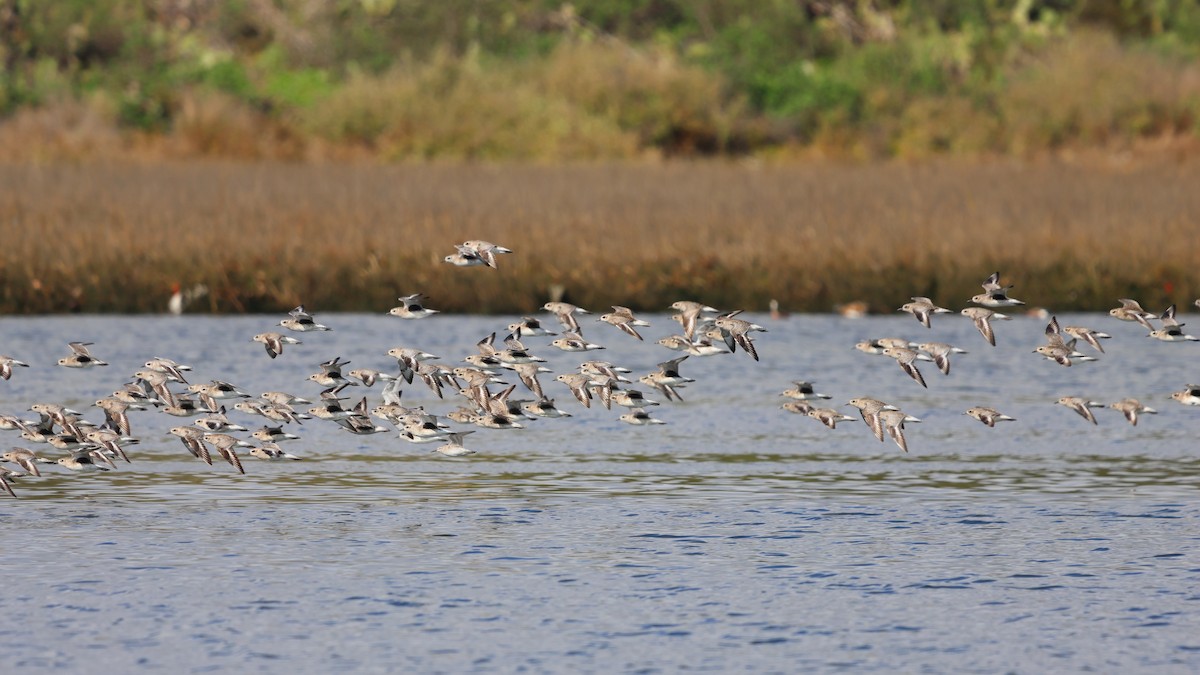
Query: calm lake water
[(737, 537)]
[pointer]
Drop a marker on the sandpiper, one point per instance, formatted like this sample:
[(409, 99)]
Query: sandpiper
[(515, 352), (893, 421), (217, 421), (907, 359), (82, 461), (940, 352), (411, 307), (667, 379), (273, 435), (690, 312), (216, 390), (565, 313), (172, 369), (6, 366), (578, 384), (282, 398), (486, 250), (828, 416), (454, 445), (271, 452), (1131, 310), (1172, 330), (631, 398), (623, 318), (799, 407), (27, 459), (988, 416), (110, 441), (995, 295), (983, 321), (528, 326), (193, 439), (301, 321), (544, 407), (369, 376), (1056, 349), (1131, 408), (1092, 337), (803, 391), (274, 342), (877, 345), (80, 357), (736, 332), (1081, 405), (528, 373), (227, 445), (639, 417), (331, 373), (870, 409), (116, 413), (922, 308), (1190, 395), (574, 342), (466, 257)]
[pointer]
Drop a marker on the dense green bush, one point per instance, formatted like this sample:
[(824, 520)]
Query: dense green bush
[(601, 78)]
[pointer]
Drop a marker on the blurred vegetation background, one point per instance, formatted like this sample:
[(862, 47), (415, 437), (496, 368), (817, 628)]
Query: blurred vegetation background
[(546, 80)]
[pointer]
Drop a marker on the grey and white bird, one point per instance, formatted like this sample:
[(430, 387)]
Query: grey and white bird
[(623, 318), (922, 308), (907, 359), (995, 295), (565, 313), (1189, 395), (6, 366), (1171, 330), (803, 391), (988, 416), (80, 357), (940, 352), (274, 342), (1082, 406), (983, 318), (1131, 408), (893, 421), (1131, 310), (412, 307), (301, 321)]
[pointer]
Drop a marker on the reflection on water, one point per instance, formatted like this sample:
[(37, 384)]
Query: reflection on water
[(737, 537)]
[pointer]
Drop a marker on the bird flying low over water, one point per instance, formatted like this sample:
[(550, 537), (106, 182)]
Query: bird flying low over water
[(411, 307), (922, 309), (301, 321), (1081, 405), (893, 421), (1131, 408), (1172, 330), (983, 321), (1058, 350), (995, 295), (623, 318), (274, 342), (988, 416), (80, 357), (1190, 395), (1131, 310), (6, 366)]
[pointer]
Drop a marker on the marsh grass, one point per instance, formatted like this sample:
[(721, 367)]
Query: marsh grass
[(265, 237)]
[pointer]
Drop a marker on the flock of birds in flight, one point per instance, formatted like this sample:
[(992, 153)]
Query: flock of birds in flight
[(162, 384)]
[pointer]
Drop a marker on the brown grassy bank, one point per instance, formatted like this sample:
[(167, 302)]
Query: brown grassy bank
[(265, 237)]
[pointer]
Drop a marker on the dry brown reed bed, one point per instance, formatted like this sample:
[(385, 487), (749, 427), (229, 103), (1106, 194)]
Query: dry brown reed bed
[(266, 237)]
